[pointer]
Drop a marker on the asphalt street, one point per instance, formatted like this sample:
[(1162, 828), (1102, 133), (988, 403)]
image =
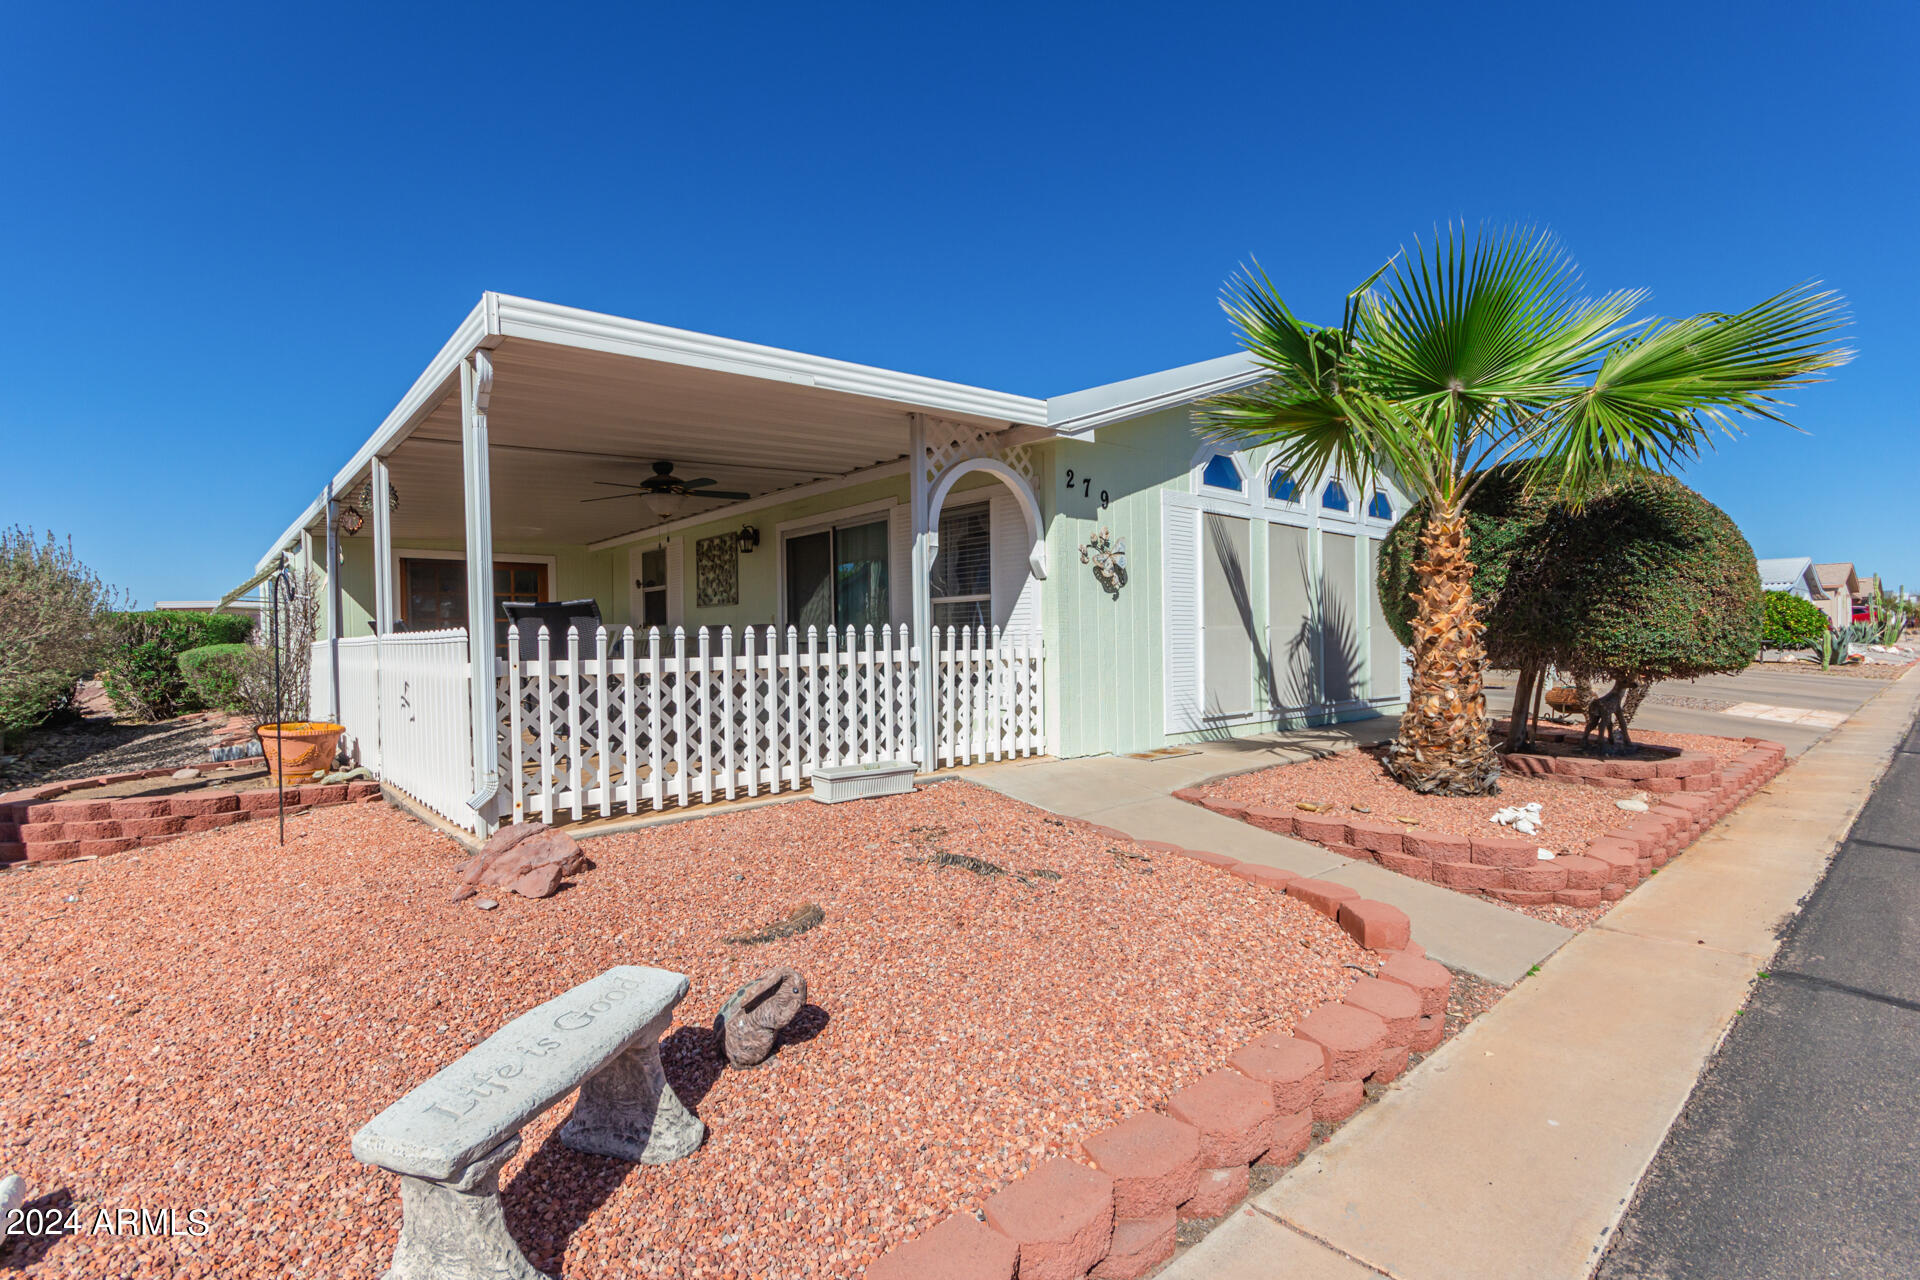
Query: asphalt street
[(1797, 1157)]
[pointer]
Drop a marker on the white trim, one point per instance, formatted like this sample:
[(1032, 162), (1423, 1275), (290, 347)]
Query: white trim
[(1022, 494), (1297, 512), (1077, 414), (569, 326), (864, 513), (1198, 487)]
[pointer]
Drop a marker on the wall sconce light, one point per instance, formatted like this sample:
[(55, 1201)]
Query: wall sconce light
[(749, 538)]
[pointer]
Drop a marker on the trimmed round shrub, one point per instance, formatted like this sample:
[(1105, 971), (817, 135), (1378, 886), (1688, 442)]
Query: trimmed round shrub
[(1790, 622), (215, 672), (1646, 581), (142, 674)]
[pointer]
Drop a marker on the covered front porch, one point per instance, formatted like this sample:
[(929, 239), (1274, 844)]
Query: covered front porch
[(857, 580)]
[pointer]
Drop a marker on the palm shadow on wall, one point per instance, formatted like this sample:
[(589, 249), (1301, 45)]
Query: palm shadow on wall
[(1325, 643)]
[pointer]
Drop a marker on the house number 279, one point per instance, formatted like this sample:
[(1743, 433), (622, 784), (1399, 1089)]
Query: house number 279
[(1086, 488)]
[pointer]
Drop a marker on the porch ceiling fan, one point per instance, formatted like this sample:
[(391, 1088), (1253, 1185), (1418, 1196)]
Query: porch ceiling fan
[(664, 493)]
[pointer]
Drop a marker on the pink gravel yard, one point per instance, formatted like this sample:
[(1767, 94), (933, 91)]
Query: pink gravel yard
[(205, 1024)]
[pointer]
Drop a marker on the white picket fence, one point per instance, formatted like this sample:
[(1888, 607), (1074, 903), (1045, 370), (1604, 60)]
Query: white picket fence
[(600, 724), (403, 702)]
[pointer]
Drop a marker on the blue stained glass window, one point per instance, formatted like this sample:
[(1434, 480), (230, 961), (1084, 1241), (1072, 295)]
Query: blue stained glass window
[(1380, 508), (1220, 473), (1334, 497), (1283, 487)]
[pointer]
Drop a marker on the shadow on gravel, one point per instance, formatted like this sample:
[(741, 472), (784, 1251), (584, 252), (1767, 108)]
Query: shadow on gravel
[(18, 1252), (558, 1188)]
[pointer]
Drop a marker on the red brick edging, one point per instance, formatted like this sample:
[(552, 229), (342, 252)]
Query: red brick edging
[(1688, 796), (1112, 1214), (37, 826)]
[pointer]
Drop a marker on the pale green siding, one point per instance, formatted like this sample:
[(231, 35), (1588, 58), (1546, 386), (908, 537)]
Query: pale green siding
[(1106, 655)]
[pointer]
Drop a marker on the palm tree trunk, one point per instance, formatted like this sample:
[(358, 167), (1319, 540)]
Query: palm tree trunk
[(1444, 746)]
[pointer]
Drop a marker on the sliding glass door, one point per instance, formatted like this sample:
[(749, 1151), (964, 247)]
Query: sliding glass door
[(838, 577)]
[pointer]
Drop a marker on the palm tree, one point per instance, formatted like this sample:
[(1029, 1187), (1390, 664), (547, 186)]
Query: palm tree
[(1479, 351)]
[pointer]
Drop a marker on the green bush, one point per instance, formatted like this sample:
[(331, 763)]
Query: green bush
[(143, 674), (1790, 622), (53, 611), (1645, 581), (215, 674)]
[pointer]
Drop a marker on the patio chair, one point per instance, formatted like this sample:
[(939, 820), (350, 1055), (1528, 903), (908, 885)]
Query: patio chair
[(556, 616)]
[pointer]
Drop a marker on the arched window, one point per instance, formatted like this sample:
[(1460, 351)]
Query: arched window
[(1221, 473), (1282, 487), (1334, 497), (1380, 508)]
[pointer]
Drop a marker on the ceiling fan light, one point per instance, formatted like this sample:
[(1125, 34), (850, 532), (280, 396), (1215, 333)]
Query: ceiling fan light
[(664, 506)]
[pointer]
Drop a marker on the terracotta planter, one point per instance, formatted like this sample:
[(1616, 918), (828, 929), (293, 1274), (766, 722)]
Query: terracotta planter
[(298, 749)]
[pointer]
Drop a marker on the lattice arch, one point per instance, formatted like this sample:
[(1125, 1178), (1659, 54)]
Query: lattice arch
[(948, 444)]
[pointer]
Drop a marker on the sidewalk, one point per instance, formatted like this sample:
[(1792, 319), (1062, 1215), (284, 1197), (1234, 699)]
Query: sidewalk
[(1511, 1152), (1134, 796), (1796, 1154)]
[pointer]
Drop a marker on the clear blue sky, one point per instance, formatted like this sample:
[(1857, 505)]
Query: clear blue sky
[(232, 236)]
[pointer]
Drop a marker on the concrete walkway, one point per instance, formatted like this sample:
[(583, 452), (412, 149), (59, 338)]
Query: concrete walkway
[(1510, 1153), (1134, 796)]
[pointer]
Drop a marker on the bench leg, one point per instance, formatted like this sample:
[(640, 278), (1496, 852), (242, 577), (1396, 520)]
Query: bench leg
[(627, 1110), (454, 1230)]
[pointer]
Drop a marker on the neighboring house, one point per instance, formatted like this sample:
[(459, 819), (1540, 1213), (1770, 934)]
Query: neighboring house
[(1794, 575), (1845, 598), (1228, 598)]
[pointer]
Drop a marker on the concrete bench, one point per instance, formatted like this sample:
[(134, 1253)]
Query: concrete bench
[(449, 1138)]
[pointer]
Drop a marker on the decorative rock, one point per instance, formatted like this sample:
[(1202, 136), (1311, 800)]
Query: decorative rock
[(959, 1248), (1292, 1069), (1139, 1245), (750, 1021), (1154, 1161), (527, 857), (1060, 1216), (1233, 1114), (486, 904), (1220, 1190), (13, 1194), (1632, 806), (184, 774)]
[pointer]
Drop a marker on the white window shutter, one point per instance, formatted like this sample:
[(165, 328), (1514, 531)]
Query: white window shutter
[(900, 565), (1016, 593), (676, 604), (1180, 620)]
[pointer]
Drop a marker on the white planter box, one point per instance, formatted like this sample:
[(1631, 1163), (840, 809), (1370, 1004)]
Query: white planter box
[(833, 784)]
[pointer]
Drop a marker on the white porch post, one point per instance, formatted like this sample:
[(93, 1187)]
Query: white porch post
[(335, 613), (924, 547), (382, 550), (476, 389)]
